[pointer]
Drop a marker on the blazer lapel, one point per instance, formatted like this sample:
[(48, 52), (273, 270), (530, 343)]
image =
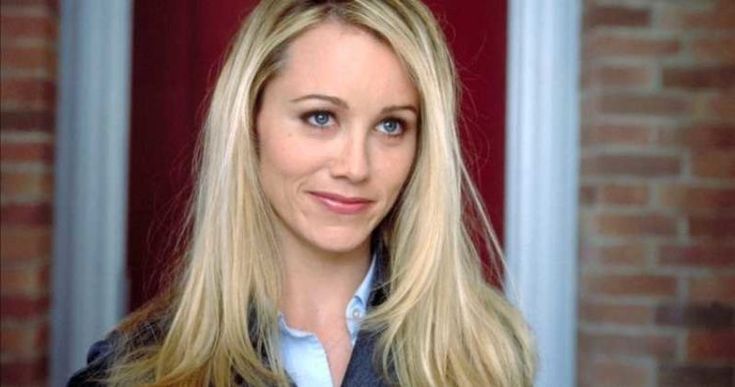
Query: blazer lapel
[(362, 370)]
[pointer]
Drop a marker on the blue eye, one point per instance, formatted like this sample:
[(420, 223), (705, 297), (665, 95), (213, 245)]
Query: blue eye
[(391, 127), (320, 119)]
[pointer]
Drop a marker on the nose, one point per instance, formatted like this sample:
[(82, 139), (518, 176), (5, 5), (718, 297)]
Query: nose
[(351, 161)]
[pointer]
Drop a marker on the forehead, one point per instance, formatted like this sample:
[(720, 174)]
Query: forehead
[(347, 60)]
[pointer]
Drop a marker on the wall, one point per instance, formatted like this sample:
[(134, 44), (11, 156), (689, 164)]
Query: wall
[(657, 201), (657, 196), (28, 39)]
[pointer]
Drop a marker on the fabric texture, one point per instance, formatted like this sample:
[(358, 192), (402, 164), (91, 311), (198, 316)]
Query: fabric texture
[(361, 369)]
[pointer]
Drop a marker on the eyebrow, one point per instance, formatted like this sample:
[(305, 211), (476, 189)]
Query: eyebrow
[(333, 100), (390, 109), (343, 104)]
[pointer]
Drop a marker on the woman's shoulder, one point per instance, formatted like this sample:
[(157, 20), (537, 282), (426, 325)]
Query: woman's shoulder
[(99, 360), (102, 354)]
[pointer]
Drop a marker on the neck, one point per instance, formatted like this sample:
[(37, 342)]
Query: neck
[(318, 285)]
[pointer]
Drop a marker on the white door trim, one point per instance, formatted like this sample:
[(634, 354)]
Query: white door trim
[(90, 200), (542, 177)]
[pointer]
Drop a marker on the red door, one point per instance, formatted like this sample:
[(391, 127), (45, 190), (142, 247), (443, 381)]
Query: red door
[(178, 45)]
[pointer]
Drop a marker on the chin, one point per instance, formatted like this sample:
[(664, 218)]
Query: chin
[(337, 242)]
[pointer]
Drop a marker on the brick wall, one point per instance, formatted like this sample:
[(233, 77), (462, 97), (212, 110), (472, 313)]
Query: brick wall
[(28, 47), (657, 195)]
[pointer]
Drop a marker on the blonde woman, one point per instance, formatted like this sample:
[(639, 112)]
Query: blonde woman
[(331, 226)]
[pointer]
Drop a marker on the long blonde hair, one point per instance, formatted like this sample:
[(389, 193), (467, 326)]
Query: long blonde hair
[(441, 324)]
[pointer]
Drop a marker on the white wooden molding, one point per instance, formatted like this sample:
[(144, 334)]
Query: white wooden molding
[(90, 200), (542, 178)]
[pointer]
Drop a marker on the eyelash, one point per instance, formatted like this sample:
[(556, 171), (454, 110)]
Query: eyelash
[(309, 117)]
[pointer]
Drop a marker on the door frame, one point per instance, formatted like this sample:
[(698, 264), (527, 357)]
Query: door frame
[(90, 211), (542, 178)]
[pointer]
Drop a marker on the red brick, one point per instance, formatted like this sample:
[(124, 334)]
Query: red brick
[(638, 77), (722, 106), (24, 372), (624, 194), (628, 285), (23, 340), (41, 121), (616, 16), (27, 151), (585, 78), (655, 346), (711, 345), (646, 105), (712, 226), (711, 136), (25, 2), (26, 184), (709, 316), (584, 369), (697, 255), (27, 91), (29, 279), (588, 109), (28, 58), (612, 373), (713, 289), (54, 5), (587, 194), (686, 198), (603, 46), (36, 214), (637, 225), (702, 137), (686, 375), (714, 48), (630, 165), (667, 92), (23, 243), (618, 255), (24, 307), (14, 27), (622, 314), (614, 134), (679, 18), (718, 164), (702, 77)]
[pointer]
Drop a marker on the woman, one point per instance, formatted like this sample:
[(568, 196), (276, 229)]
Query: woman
[(330, 240)]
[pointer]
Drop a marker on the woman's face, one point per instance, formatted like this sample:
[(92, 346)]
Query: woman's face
[(337, 131)]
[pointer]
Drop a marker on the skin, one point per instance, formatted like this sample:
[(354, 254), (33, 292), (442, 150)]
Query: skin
[(340, 117)]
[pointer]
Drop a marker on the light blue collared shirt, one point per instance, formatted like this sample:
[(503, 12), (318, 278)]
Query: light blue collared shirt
[(303, 355)]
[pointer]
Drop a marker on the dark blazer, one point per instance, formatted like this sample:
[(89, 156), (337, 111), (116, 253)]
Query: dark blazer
[(361, 370)]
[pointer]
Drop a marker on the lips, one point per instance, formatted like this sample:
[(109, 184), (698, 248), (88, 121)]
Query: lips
[(339, 204)]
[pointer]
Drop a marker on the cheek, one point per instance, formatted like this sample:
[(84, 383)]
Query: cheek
[(282, 157), (275, 165), (395, 168)]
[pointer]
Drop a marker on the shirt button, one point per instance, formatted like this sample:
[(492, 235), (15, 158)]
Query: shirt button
[(356, 313)]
